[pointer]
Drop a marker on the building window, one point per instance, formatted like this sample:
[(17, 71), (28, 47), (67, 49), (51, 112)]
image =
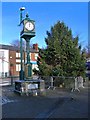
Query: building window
[(17, 54), (11, 57), (17, 67), (18, 60), (35, 66), (36, 55), (2, 55)]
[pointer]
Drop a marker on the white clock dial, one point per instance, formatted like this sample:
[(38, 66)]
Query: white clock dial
[(29, 26)]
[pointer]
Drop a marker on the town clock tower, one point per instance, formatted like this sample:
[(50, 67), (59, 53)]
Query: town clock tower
[(27, 33)]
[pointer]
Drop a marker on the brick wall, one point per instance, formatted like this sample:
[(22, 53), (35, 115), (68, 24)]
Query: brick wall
[(12, 60), (33, 56)]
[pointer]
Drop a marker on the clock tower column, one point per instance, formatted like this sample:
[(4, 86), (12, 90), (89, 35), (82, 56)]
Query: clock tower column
[(28, 50), (28, 65)]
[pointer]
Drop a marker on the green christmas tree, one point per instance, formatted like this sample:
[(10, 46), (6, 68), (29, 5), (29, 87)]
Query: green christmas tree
[(62, 56)]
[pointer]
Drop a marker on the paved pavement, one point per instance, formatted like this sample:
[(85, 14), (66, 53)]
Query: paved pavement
[(58, 103)]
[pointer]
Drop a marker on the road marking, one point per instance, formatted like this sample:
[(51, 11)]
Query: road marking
[(5, 100)]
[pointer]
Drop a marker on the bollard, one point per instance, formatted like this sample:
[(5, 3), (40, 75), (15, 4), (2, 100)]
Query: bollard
[(11, 80)]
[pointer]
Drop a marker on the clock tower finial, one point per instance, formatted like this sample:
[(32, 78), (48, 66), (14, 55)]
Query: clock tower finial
[(27, 15)]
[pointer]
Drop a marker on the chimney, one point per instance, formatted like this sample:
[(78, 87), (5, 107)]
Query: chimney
[(35, 46)]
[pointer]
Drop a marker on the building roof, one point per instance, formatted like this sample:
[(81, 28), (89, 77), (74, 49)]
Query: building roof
[(15, 48), (9, 47)]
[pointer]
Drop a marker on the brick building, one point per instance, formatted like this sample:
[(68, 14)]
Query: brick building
[(10, 59)]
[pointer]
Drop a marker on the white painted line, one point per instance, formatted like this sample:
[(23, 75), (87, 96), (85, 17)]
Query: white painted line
[(4, 84)]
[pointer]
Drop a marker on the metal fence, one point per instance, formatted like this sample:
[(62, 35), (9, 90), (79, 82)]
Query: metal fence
[(50, 81), (8, 80), (58, 81)]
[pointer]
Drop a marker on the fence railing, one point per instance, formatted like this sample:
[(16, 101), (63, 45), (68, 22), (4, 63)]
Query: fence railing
[(8, 80), (52, 81), (58, 81)]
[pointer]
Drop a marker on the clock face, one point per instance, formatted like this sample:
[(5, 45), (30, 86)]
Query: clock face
[(29, 26)]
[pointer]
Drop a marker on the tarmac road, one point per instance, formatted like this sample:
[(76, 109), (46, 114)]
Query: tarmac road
[(56, 104)]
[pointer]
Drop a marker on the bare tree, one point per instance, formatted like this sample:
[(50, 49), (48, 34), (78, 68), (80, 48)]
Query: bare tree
[(16, 43)]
